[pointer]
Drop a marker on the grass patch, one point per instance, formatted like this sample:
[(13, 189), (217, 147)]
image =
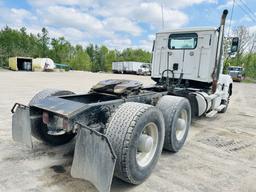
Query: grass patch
[(249, 80), (3, 69)]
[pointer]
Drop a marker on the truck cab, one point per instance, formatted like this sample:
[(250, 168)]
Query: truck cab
[(192, 57), (190, 52)]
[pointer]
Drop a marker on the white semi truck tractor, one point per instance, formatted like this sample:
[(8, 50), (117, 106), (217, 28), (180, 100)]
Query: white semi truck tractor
[(121, 127)]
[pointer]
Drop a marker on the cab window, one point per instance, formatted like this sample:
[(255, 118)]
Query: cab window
[(183, 41)]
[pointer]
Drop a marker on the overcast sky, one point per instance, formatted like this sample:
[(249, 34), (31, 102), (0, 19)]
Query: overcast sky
[(117, 23)]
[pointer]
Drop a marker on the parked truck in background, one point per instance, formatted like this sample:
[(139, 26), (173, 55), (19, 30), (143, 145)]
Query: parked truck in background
[(120, 126), (131, 67), (236, 73)]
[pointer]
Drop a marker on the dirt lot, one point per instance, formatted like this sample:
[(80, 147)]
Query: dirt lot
[(219, 155)]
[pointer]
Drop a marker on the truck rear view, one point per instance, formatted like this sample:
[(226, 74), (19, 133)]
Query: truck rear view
[(120, 126)]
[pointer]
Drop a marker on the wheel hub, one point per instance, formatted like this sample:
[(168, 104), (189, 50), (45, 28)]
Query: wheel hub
[(145, 143), (181, 124)]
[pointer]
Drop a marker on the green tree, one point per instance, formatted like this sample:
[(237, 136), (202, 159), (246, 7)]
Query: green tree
[(61, 51), (134, 55), (16, 43), (102, 56), (93, 58), (80, 59), (110, 57), (43, 43)]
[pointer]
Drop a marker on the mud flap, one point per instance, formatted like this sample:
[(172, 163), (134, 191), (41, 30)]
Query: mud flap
[(21, 126), (94, 159)]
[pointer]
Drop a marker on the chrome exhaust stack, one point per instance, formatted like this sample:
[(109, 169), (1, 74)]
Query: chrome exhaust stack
[(219, 53)]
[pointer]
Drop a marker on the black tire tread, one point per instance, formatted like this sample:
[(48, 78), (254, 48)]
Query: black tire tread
[(46, 93), (120, 130), (168, 104)]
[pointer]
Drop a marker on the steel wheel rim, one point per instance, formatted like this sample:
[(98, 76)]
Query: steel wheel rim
[(144, 158), (181, 124)]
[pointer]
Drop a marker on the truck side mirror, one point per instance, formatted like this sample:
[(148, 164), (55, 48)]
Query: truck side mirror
[(235, 44)]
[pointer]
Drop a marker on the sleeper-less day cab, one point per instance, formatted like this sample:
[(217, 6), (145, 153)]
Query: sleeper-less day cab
[(120, 126)]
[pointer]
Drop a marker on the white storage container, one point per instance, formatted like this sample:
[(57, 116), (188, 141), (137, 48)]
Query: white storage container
[(43, 64)]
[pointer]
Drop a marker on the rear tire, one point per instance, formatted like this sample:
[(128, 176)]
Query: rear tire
[(126, 129), (177, 116), (41, 131), (47, 93)]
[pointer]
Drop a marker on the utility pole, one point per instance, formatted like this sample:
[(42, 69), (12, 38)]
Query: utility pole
[(231, 18), (162, 8)]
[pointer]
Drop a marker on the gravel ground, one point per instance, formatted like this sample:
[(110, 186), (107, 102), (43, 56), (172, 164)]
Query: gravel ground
[(219, 155)]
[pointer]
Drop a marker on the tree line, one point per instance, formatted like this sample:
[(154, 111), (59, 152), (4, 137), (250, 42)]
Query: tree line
[(94, 58)]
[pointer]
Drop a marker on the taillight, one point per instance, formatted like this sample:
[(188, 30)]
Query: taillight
[(45, 118)]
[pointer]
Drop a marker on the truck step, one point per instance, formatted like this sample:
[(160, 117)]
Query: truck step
[(220, 107), (215, 111), (211, 113)]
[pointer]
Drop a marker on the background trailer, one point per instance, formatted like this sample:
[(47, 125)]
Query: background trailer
[(131, 67), (20, 63), (31, 64)]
